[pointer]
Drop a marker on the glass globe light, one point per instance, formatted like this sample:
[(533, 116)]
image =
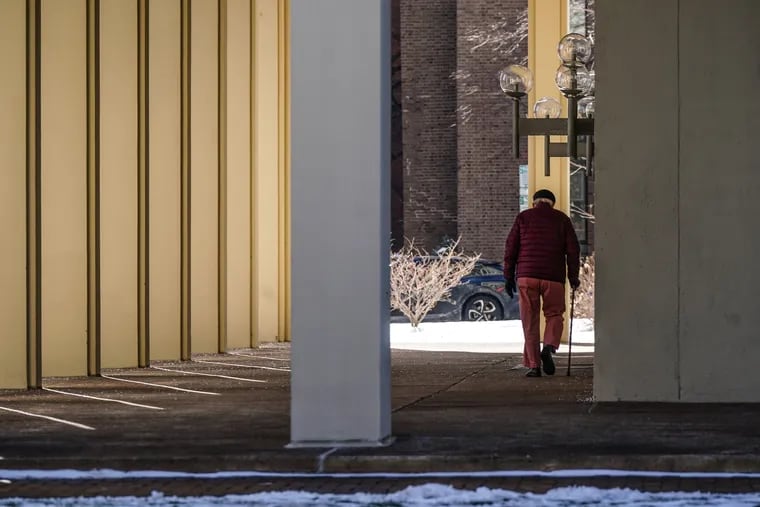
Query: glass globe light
[(547, 107), (565, 83), (574, 48), (516, 80), (586, 107)]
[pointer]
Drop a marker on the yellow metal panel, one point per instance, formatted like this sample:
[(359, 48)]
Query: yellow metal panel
[(266, 171), (64, 195), (12, 194), (238, 173), (204, 165), (118, 151), (164, 118), (547, 24)]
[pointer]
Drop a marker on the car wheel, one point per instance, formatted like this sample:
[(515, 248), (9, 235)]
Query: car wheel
[(482, 307)]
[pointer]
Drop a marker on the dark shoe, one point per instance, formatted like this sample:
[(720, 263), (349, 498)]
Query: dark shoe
[(533, 372), (546, 360)]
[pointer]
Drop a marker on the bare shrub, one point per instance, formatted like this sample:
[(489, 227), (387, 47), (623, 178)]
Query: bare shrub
[(419, 280), (584, 295)]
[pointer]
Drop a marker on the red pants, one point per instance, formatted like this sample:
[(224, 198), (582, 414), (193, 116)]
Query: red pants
[(532, 292)]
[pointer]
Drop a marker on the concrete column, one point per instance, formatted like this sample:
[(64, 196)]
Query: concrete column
[(719, 184), (13, 100), (340, 390), (636, 134), (677, 184)]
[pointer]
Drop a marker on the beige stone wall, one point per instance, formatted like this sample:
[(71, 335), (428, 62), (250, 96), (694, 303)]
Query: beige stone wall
[(123, 127)]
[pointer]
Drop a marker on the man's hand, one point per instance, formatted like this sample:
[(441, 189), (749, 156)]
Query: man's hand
[(510, 287), (575, 283)]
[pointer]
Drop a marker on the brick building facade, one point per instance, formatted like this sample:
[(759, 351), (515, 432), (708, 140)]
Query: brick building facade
[(453, 170)]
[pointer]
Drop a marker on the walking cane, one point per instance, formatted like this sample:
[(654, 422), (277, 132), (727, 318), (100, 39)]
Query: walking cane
[(570, 334)]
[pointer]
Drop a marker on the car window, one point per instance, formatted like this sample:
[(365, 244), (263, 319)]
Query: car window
[(486, 269)]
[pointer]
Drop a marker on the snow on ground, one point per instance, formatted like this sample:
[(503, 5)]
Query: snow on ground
[(417, 496), (504, 336)]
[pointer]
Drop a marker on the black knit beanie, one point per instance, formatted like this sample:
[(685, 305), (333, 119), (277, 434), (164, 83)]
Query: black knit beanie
[(544, 194)]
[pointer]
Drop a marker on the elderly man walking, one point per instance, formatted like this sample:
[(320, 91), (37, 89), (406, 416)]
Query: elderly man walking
[(541, 252)]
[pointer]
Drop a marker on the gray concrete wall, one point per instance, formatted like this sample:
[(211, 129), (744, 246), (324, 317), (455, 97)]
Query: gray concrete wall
[(720, 185), (677, 180), (340, 191)]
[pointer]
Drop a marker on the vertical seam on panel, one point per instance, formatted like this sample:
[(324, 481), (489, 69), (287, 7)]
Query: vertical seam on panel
[(143, 171), (286, 169), (33, 204), (253, 175), (185, 324), (97, 212), (222, 174), (93, 187)]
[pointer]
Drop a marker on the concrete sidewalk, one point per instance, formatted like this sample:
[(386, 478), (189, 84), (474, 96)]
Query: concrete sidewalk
[(452, 412)]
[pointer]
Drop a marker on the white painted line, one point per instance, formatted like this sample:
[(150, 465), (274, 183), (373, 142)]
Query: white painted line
[(159, 385), (241, 365), (207, 374), (103, 399), (62, 421), (258, 357)]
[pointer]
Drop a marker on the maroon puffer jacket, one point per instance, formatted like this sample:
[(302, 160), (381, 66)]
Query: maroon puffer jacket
[(541, 241)]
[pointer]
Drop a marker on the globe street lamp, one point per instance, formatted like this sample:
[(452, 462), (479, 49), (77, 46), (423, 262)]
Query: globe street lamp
[(575, 82)]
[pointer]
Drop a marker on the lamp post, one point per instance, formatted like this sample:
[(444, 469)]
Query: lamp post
[(575, 82)]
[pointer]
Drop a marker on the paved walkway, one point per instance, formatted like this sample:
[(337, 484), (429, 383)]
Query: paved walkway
[(454, 412)]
